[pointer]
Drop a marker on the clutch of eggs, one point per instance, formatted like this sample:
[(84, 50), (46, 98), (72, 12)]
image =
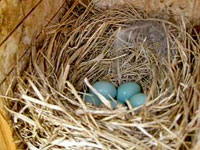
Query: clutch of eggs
[(127, 91)]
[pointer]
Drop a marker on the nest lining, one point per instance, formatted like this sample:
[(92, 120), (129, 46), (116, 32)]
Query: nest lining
[(47, 108)]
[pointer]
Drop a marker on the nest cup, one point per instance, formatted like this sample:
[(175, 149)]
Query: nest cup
[(47, 106)]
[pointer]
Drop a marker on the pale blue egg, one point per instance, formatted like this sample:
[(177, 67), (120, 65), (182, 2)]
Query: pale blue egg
[(93, 99), (138, 100), (105, 88), (127, 90), (114, 103)]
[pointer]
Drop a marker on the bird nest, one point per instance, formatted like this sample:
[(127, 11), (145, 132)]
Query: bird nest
[(117, 45)]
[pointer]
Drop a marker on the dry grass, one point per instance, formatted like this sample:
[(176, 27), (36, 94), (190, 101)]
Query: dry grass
[(46, 104)]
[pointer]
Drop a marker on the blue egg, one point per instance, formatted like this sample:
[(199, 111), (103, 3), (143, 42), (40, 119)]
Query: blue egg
[(93, 99), (138, 100), (127, 90), (114, 104), (105, 88)]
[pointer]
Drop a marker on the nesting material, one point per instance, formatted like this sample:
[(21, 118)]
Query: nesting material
[(46, 103)]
